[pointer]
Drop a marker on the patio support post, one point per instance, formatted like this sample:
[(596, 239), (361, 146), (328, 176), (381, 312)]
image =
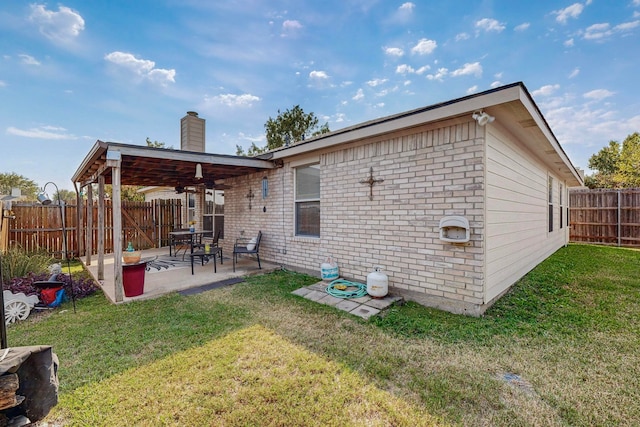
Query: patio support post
[(89, 228), (114, 160), (101, 227)]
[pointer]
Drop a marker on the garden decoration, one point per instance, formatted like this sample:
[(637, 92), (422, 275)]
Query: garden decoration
[(18, 306)]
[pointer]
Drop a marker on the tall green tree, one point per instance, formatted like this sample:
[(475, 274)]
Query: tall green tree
[(292, 126), (616, 165), (288, 127), (28, 187), (629, 164)]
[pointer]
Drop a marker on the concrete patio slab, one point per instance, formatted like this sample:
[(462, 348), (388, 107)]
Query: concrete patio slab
[(164, 281)]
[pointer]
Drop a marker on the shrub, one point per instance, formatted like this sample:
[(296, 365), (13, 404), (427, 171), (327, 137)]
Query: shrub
[(82, 286), (16, 262)]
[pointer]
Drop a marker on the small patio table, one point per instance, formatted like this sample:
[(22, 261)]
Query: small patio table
[(185, 236), (212, 253)]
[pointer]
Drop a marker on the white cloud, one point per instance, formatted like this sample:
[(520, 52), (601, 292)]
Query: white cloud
[(522, 27), (3, 83), (404, 69), (439, 75), (232, 100), (376, 82), (462, 36), (393, 51), (487, 24), (575, 72), (546, 90), (424, 47), (569, 43), (603, 30), (472, 90), (403, 13), (290, 27), (143, 67), (318, 75), (598, 94), (495, 84), (63, 25), (468, 69), (359, 95), (407, 6), (627, 26), (42, 132), (597, 31), (29, 60), (572, 11)]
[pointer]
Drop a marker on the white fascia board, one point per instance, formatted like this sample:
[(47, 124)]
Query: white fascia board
[(401, 121)]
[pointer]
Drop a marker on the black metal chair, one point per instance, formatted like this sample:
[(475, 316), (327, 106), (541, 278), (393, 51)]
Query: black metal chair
[(246, 246), (180, 243)]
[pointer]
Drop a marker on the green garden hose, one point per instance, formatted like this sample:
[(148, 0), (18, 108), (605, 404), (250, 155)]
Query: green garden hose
[(350, 289)]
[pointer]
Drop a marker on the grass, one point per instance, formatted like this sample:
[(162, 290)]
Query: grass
[(254, 354)]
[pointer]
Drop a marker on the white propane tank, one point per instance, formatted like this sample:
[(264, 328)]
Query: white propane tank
[(329, 270), (377, 283)]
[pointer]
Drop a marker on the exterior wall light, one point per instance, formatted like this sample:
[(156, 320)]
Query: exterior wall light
[(482, 118)]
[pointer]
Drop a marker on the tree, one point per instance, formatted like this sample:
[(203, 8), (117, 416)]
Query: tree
[(616, 166), (28, 187), (605, 163), (66, 195), (288, 127), (629, 164), (156, 144), (292, 126)]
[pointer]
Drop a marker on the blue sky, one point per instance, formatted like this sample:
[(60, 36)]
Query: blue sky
[(77, 71)]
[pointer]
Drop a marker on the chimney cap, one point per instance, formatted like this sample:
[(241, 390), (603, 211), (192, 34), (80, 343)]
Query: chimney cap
[(192, 113)]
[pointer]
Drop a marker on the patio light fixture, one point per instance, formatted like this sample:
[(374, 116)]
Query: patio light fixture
[(198, 171)]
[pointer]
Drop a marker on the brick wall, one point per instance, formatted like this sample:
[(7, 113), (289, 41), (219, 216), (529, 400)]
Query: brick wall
[(428, 173)]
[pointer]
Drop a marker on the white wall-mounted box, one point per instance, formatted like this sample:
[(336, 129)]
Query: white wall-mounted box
[(454, 229)]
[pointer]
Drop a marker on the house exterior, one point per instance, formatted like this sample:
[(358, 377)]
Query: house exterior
[(454, 206)]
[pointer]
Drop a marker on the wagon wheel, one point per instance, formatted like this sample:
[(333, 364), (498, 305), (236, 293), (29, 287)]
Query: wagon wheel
[(16, 310)]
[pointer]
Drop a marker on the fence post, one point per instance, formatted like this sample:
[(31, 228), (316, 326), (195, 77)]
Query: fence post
[(619, 221)]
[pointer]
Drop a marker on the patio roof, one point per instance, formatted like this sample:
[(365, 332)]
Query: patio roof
[(163, 167)]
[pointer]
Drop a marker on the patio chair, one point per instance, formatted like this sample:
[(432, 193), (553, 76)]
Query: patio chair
[(247, 246), (180, 243)]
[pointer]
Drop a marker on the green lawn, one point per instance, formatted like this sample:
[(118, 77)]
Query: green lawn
[(253, 354)]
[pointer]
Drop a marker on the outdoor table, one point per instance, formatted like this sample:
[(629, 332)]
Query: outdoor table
[(184, 236), (212, 253)]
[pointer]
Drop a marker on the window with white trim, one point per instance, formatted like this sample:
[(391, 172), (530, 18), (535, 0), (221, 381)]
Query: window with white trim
[(307, 201)]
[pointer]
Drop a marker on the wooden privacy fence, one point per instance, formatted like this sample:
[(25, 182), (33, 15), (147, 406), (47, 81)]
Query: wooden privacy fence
[(144, 224), (605, 216)]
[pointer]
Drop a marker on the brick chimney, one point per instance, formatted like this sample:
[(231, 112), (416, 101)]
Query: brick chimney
[(192, 132)]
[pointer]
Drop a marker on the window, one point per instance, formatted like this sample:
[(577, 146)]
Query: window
[(213, 218), (550, 204), (191, 207), (307, 201), (561, 195)]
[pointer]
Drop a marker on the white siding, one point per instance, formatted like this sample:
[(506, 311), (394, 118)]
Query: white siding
[(517, 211)]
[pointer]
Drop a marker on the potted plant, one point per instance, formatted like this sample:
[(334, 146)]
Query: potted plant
[(192, 225)]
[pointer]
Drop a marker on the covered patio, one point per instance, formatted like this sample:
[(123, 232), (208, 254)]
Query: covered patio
[(124, 164), (160, 280)]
